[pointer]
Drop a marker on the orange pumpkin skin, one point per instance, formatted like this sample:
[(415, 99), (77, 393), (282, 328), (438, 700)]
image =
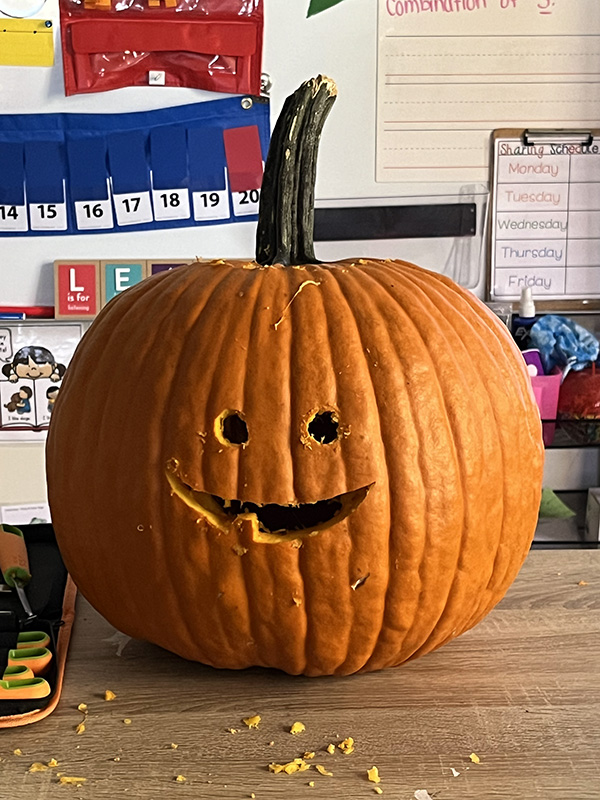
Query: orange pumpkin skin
[(436, 416)]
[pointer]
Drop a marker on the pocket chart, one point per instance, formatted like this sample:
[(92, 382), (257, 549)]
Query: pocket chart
[(198, 164)]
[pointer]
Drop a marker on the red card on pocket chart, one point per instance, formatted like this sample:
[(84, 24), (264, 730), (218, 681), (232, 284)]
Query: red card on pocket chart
[(244, 158)]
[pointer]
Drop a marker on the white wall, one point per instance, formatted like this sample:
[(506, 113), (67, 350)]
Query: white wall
[(341, 43)]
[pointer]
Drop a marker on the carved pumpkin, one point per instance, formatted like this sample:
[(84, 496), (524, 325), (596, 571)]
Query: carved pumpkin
[(323, 468)]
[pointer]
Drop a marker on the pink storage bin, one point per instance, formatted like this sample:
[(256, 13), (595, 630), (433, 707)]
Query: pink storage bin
[(546, 389)]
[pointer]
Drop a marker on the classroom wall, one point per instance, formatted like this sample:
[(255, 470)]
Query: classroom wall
[(341, 43)]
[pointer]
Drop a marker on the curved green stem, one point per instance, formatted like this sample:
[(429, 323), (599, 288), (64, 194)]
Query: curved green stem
[(286, 215)]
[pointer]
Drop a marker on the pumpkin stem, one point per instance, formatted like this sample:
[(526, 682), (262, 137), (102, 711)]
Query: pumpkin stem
[(286, 214)]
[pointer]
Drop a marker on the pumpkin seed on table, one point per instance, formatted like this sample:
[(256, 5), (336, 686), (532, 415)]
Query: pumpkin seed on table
[(354, 429)]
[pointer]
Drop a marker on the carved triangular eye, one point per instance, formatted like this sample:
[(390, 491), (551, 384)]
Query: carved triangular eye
[(324, 427)]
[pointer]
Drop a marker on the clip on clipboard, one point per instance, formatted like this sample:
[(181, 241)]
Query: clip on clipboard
[(533, 136), (545, 217)]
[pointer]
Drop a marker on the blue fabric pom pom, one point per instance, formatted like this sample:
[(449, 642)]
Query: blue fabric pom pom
[(563, 343)]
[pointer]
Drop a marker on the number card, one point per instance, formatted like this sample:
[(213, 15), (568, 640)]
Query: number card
[(44, 171), (89, 183), (76, 290), (13, 211), (171, 204), (116, 276), (131, 209), (130, 175), (211, 205), (170, 195), (244, 162), (94, 215), (208, 174), (13, 218), (246, 202), (48, 216)]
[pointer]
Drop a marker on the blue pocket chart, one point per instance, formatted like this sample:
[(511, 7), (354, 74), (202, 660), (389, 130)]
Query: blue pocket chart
[(89, 173)]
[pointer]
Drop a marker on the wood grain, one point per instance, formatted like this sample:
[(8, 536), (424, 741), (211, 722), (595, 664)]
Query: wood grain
[(522, 691)]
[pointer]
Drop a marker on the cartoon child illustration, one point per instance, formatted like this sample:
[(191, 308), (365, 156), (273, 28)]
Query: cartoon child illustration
[(33, 362), (51, 395), (19, 401)]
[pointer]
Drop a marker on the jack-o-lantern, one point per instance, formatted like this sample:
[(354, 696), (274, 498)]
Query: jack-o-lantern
[(319, 467)]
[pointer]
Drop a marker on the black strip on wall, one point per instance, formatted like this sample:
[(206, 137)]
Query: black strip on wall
[(395, 222)]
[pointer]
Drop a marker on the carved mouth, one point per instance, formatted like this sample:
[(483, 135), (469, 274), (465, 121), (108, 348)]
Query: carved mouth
[(270, 522)]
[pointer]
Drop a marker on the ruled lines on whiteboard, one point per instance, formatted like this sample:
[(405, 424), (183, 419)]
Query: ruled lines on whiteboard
[(446, 80)]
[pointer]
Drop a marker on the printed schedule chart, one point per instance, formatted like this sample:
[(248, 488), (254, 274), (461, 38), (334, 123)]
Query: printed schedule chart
[(545, 222)]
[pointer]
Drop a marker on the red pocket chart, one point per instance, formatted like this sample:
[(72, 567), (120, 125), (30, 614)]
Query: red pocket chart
[(213, 44)]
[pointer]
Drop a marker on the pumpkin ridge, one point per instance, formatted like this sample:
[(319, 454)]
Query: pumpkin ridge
[(503, 338), (261, 570), (450, 304), (342, 281), (363, 277), (98, 332), (458, 446), (246, 566), (176, 594), (454, 430), (250, 281), (485, 320), (302, 554), (101, 336), (226, 277), (487, 590)]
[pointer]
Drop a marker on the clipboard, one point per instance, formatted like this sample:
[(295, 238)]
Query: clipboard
[(544, 218)]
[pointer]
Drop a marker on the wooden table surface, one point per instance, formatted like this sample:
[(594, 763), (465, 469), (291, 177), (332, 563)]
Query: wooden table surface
[(522, 691)]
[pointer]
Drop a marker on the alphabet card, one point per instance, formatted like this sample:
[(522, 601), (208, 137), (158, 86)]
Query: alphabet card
[(545, 218), (76, 289), (34, 357), (165, 265), (117, 275)]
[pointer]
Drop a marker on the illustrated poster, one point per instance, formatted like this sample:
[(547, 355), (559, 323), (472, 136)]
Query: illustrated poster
[(33, 360)]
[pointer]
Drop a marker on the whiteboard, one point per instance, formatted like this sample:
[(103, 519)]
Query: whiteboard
[(450, 71)]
